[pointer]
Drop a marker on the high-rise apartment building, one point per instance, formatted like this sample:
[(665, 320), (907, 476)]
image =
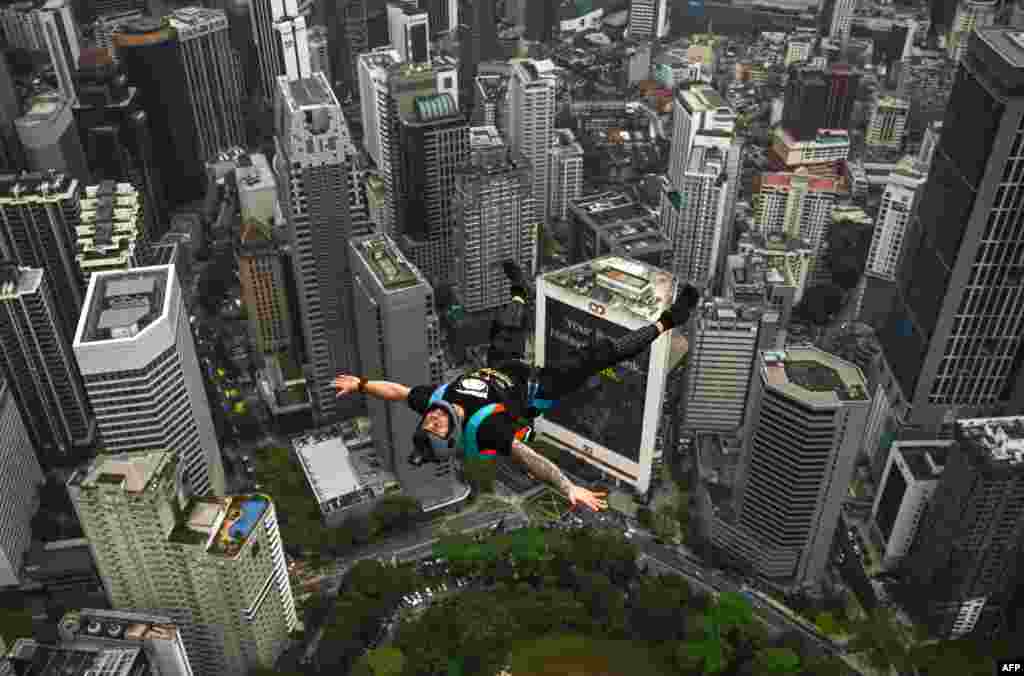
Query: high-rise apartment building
[(911, 475), (797, 51), (490, 94), (531, 123), (280, 34), (492, 196), (116, 137), (213, 77), (888, 123), (136, 353), (150, 58), (50, 139), (38, 217), (893, 219), (820, 155), (293, 39), (20, 478), (159, 638), (648, 19), (929, 143), (797, 205), (39, 366), (970, 14), (264, 287), (400, 341), (953, 334), (214, 565), (111, 229), (566, 173), (699, 195), (313, 167), (806, 413), (409, 31), (724, 342), (966, 561)]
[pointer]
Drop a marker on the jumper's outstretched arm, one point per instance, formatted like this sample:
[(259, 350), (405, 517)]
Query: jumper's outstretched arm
[(380, 389), (544, 469)]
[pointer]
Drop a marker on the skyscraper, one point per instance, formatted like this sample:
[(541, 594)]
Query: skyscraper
[(531, 124), (893, 220), (313, 163), (375, 101), (150, 58), (50, 139), (566, 173), (399, 340), (807, 412), (965, 562), (953, 335), (37, 362), (492, 195), (819, 100), (214, 80), (648, 19), (842, 16), (700, 194), (38, 217), (348, 36), (135, 350), (215, 566), (116, 137), (20, 477), (478, 43), (319, 52), (797, 205)]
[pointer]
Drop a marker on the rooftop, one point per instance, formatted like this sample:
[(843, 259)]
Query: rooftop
[(1008, 43), (29, 658), (131, 472), (614, 281), (311, 92), (925, 462), (387, 263), (49, 186), (435, 107), (222, 525), (332, 469), (124, 303), (16, 281), (117, 625), (1002, 439), (484, 137), (609, 207), (703, 98), (813, 376)]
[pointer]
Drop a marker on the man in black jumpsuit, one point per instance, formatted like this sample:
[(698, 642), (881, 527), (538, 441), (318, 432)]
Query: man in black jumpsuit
[(478, 413)]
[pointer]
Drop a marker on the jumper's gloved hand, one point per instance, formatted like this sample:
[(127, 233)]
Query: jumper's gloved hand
[(682, 308)]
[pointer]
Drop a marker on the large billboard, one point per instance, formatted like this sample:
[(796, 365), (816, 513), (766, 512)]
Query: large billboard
[(609, 410)]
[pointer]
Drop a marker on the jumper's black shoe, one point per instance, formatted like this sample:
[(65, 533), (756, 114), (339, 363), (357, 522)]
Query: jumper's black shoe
[(682, 308)]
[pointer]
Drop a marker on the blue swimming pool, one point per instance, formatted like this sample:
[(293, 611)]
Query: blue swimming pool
[(251, 511)]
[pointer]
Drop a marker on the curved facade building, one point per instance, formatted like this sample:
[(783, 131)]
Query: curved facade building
[(151, 60)]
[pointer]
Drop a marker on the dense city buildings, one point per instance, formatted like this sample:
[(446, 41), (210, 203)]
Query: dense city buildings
[(136, 353), (648, 19), (313, 166), (953, 333), (50, 139), (970, 15), (57, 24), (797, 205), (478, 41), (20, 478), (888, 123), (402, 345), (566, 173), (966, 559), (214, 565), (158, 637), (615, 223), (492, 220), (263, 287)]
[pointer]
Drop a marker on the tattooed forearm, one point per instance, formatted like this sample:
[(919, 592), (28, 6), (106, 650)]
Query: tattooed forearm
[(541, 467)]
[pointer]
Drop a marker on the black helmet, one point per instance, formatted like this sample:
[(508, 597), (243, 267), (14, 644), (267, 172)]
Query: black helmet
[(428, 447)]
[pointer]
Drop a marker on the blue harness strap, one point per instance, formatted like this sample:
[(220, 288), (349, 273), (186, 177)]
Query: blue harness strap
[(532, 390), (438, 394)]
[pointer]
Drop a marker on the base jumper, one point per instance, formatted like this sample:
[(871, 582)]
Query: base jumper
[(479, 413)]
